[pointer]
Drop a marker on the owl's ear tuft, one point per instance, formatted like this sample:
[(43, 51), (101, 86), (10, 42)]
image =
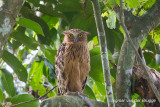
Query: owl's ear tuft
[(87, 33), (64, 32)]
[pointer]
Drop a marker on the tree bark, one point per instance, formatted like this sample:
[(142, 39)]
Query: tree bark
[(70, 101), (9, 10), (139, 28), (143, 88)]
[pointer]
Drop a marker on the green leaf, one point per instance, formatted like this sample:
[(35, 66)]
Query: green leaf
[(95, 40), (21, 37), (36, 70), (112, 3), (150, 45), (113, 73), (96, 64), (95, 51), (110, 56), (143, 43), (96, 72), (16, 44), (23, 98), (35, 77), (111, 21), (53, 32), (132, 3), (37, 86), (49, 53), (16, 65), (148, 57), (7, 82), (49, 72), (46, 37), (51, 21), (149, 4), (50, 11), (51, 69), (114, 38), (89, 92), (30, 24), (1, 96), (84, 23), (101, 88), (155, 35), (69, 6)]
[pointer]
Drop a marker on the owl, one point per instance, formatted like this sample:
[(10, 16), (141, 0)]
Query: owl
[(72, 62)]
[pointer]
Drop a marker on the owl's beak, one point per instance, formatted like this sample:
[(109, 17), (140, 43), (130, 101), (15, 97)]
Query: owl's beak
[(75, 39)]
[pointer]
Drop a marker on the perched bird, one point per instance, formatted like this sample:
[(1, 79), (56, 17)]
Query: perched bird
[(72, 62)]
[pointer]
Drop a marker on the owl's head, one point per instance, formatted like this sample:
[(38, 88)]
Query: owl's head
[(75, 36)]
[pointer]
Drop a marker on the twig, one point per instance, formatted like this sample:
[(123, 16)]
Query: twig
[(113, 64), (151, 83), (36, 98), (149, 54), (84, 7)]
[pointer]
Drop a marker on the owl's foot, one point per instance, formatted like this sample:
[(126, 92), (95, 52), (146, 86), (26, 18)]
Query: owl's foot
[(83, 96), (76, 93)]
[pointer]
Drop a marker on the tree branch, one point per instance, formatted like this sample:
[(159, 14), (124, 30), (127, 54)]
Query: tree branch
[(70, 101), (130, 19), (104, 53), (137, 54), (151, 19), (141, 26)]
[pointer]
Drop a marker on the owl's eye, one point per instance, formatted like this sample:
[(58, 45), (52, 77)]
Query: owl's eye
[(70, 35), (80, 35)]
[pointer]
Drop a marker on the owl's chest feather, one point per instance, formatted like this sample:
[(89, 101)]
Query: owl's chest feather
[(77, 54)]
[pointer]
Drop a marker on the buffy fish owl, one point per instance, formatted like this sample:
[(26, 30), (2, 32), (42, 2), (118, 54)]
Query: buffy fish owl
[(72, 62)]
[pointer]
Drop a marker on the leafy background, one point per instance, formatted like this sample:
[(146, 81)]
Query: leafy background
[(27, 65)]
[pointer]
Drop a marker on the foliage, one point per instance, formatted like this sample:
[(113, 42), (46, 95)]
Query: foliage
[(22, 98), (34, 41)]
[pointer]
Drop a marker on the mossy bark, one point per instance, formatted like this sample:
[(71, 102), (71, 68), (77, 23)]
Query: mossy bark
[(70, 101), (142, 87), (9, 10)]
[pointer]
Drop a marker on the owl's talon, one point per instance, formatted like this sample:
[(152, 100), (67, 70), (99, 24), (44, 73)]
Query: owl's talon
[(84, 95), (70, 93), (77, 93)]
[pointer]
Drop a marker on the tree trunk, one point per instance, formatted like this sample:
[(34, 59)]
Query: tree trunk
[(139, 28), (9, 10)]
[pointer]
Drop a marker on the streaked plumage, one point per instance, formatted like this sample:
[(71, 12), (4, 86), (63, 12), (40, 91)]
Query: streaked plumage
[(72, 62)]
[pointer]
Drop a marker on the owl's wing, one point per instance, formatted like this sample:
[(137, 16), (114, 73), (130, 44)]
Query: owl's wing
[(87, 66), (59, 65), (84, 83)]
